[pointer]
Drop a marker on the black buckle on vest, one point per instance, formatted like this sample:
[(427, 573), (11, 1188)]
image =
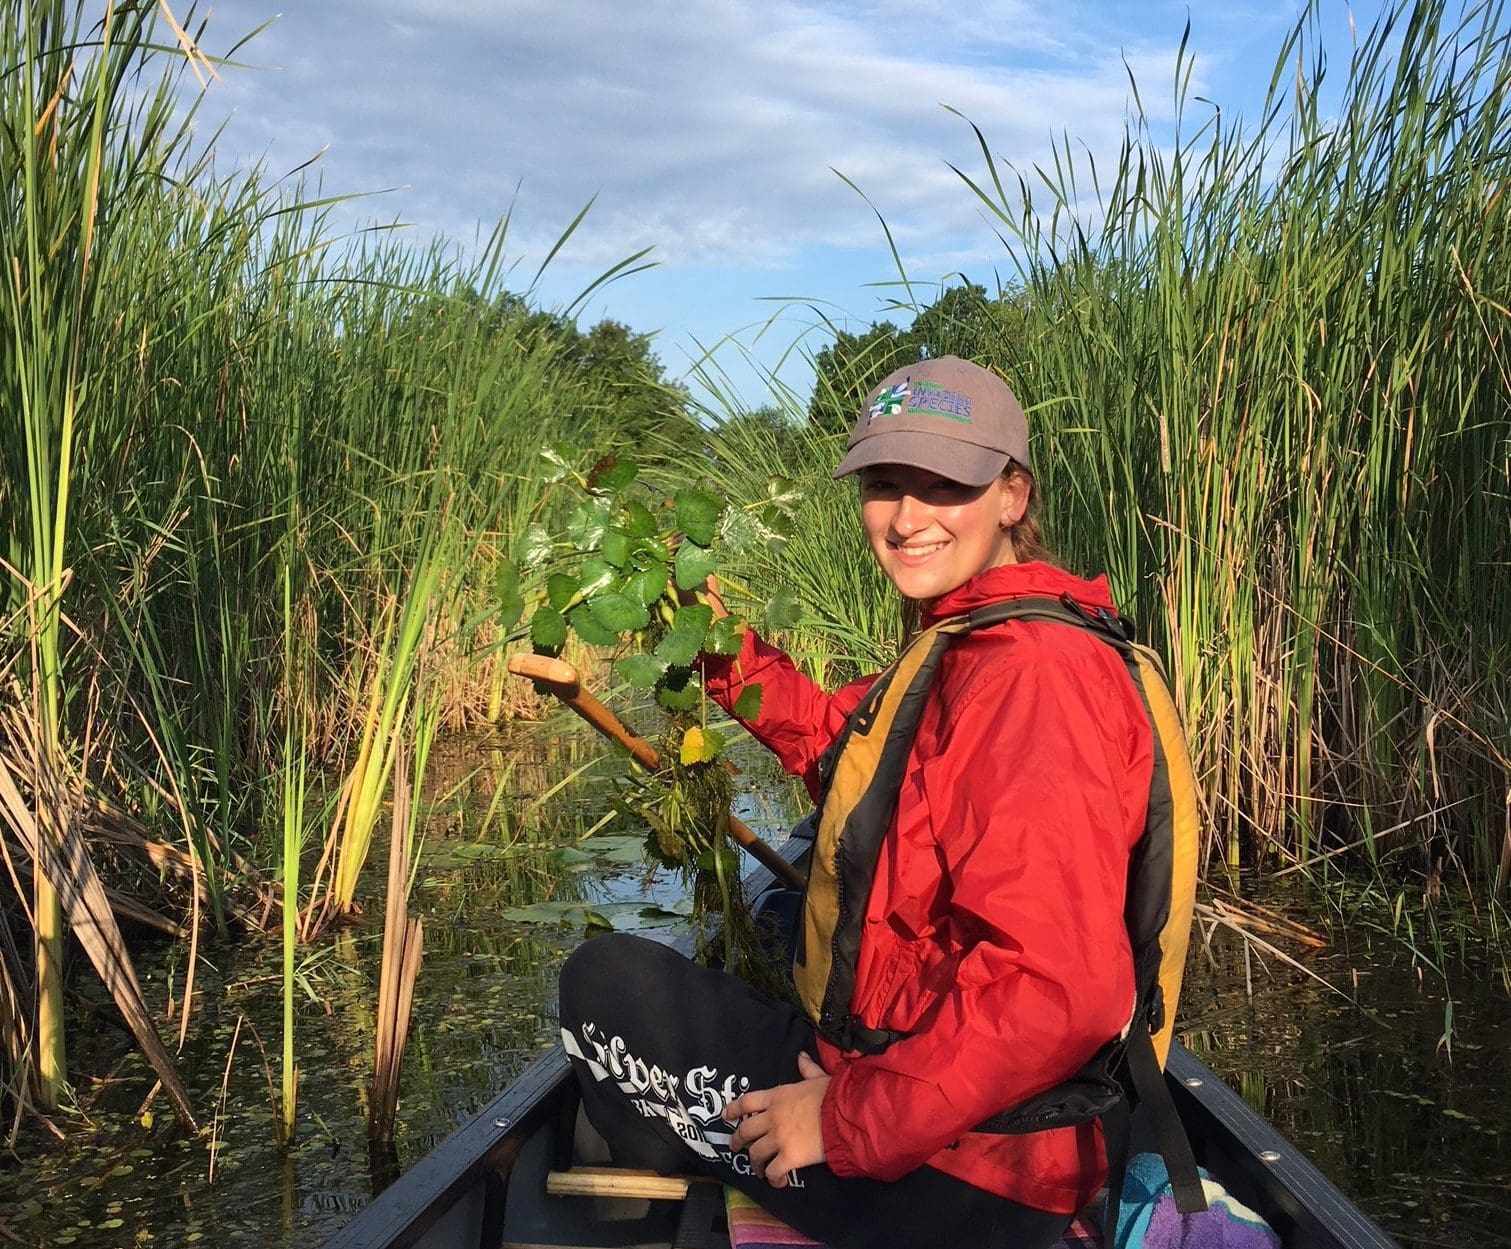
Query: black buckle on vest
[(1154, 1012), (1119, 627)]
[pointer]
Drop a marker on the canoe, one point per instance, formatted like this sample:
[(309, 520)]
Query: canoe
[(508, 1179)]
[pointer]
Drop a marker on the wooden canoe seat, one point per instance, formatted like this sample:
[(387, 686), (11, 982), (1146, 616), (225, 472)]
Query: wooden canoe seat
[(585, 1181)]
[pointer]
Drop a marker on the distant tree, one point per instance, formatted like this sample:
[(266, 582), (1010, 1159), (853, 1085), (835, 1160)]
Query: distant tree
[(963, 321), (769, 428), (844, 371), (627, 391)]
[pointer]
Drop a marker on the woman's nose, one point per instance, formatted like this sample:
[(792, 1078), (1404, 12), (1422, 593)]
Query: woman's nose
[(910, 517)]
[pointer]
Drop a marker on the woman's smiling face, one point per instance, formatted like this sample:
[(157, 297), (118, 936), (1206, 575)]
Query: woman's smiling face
[(931, 534)]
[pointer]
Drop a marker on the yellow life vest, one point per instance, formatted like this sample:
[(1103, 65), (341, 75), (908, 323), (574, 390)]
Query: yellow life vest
[(863, 773)]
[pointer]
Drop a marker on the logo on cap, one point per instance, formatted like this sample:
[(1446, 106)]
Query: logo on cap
[(890, 401), (934, 399)]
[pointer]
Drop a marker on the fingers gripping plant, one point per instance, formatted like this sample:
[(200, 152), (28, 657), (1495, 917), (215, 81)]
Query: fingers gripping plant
[(634, 572)]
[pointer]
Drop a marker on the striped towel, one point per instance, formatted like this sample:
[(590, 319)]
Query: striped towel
[(1148, 1218), (751, 1227)]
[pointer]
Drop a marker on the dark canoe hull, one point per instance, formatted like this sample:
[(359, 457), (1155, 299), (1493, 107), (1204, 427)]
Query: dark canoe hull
[(484, 1186)]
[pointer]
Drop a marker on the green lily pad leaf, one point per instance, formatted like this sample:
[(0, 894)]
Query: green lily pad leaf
[(511, 603), (680, 647), (680, 693), (693, 565), (639, 520), (571, 857), (619, 612), (616, 548), (590, 629), (748, 705), (596, 574), (620, 916), (536, 546), (647, 585), (548, 631), (558, 462), (561, 590), (641, 671), (698, 514), (644, 918), (725, 636), (783, 494), (611, 474), (588, 523), (783, 611), (553, 912), (617, 848)]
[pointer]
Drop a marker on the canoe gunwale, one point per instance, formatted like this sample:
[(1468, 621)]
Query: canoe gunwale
[(481, 1148), (1319, 1211)]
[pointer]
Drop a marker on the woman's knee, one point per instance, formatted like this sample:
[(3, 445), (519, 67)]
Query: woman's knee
[(603, 967)]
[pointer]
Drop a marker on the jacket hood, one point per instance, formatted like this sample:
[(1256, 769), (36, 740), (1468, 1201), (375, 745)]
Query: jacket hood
[(1031, 580)]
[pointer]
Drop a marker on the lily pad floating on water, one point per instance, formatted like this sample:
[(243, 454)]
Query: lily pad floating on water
[(464, 853), (618, 916), (610, 850)]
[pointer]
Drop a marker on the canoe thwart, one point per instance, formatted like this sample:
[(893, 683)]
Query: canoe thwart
[(621, 1182)]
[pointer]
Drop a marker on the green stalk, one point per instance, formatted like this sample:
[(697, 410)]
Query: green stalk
[(50, 293)]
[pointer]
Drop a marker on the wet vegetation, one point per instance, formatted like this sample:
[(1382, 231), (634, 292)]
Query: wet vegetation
[(273, 510)]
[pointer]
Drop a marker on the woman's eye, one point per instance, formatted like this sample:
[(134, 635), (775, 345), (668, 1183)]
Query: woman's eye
[(945, 491)]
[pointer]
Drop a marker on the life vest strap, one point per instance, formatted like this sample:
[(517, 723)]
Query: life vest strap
[(1169, 1134)]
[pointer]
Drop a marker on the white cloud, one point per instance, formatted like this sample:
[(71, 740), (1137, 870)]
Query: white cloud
[(706, 131), (709, 130)]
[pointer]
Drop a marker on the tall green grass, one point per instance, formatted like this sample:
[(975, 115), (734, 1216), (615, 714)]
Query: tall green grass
[(263, 477), (1269, 371)]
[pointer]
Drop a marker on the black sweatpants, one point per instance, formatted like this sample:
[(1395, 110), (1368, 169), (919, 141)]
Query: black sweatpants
[(661, 1046)]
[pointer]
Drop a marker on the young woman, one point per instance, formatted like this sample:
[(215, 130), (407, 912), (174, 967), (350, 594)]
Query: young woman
[(992, 957)]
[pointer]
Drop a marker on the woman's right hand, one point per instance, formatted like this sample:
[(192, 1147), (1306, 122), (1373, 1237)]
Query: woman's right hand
[(708, 593)]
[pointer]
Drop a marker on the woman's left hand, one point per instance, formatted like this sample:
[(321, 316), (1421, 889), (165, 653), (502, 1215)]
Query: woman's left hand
[(782, 1127)]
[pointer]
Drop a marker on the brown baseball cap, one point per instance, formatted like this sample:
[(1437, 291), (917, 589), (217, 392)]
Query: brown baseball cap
[(947, 415)]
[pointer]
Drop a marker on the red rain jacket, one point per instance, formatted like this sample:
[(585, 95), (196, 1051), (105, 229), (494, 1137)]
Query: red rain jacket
[(994, 934)]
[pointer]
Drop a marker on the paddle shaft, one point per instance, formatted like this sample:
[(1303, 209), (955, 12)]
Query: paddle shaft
[(562, 679)]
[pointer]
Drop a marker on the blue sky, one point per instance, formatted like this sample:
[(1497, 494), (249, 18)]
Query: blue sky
[(711, 132)]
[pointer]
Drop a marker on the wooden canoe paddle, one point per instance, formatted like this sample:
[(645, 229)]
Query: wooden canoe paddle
[(563, 681)]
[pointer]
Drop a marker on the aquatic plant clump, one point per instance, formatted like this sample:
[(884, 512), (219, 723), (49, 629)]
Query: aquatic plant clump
[(633, 571)]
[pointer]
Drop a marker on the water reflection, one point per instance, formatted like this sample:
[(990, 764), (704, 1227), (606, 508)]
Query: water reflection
[(1415, 1125)]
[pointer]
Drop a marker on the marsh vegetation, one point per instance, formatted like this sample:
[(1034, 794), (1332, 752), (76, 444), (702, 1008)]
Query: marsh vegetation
[(273, 504)]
